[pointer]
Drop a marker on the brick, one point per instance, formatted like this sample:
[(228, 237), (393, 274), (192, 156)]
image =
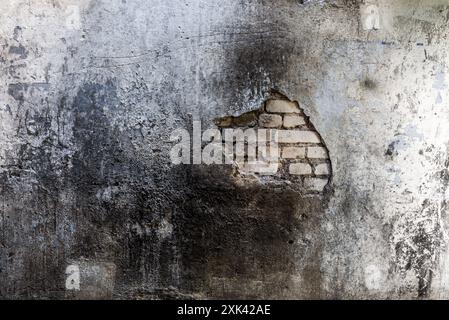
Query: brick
[(282, 106), (293, 152), (249, 135), (315, 184), (224, 122), (247, 119), (269, 152), (300, 168), (261, 168), (251, 152), (243, 152), (322, 169), (317, 153), (293, 120), (239, 152), (270, 120), (297, 136)]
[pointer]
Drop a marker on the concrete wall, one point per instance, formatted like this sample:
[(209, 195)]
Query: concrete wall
[(91, 205)]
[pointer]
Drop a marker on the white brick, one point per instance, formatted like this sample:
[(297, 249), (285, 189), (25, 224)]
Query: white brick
[(260, 168), (293, 152), (300, 168), (270, 120), (282, 106), (294, 136), (249, 153), (317, 153), (249, 135), (269, 153), (315, 184), (239, 152), (322, 169), (293, 120)]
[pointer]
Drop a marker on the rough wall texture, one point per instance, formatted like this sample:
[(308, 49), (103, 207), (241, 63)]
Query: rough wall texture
[(92, 89)]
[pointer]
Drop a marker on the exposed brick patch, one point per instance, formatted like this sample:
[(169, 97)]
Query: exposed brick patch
[(293, 121), (293, 153), (270, 120), (300, 169), (302, 160), (282, 106)]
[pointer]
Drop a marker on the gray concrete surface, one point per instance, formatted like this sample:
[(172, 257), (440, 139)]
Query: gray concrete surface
[(92, 89)]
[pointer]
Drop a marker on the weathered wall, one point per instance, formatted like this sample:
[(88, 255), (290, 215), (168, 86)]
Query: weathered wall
[(92, 89)]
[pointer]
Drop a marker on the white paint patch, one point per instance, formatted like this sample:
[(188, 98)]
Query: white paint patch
[(165, 229), (72, 281), (370, 17), (98, 279), (73, 17), (373, 277), (106, 194), (329, 226)]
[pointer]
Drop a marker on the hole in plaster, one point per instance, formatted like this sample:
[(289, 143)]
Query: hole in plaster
[(294, 153)]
